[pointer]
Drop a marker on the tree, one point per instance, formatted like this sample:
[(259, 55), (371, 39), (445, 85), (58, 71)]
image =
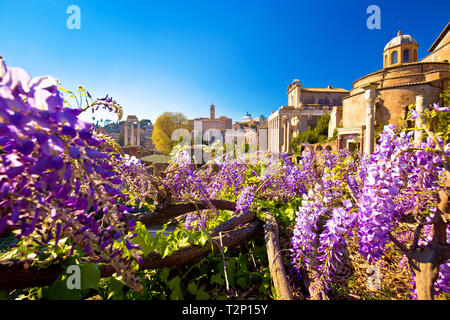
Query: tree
[(322, 125), (163, 128), (120, 139), (441, 122), (316, 135), (144, 123)]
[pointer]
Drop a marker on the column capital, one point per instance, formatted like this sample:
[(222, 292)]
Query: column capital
[(370, 95)]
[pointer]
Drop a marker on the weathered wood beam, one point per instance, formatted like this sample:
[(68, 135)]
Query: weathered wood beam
[(276, 265), (13, 275), (174, 210)]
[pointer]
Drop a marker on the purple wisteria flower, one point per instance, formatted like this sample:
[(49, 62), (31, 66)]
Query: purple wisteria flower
[(51, 184), (305, 231), (414, 114), (440, 109), (245, 199), (190, 218)]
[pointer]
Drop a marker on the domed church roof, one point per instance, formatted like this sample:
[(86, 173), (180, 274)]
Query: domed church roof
[(400, 39)]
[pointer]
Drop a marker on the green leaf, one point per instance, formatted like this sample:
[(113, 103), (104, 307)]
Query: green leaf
[(217, 278), (241, 281), (59, 290), (264, 288), (42, 292), (114, 287), (183, 242), (231, 268), (143, 239), (68, 262), (167, 251), (174, 285), (202, 295), (243, 268), (90, 276), (204, 238), (164, 274), (192, 288)]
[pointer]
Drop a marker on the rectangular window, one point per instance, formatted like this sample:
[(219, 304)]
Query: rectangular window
[(406, 55), (394, 57)]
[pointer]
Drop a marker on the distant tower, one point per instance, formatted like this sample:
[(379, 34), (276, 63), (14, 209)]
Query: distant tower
[(294, 92), (212, 112)]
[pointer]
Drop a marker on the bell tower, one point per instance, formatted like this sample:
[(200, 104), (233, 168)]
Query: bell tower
[(294, 92), (212, 112)]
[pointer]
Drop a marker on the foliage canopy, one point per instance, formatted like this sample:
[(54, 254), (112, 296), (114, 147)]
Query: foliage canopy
[(164, 126)]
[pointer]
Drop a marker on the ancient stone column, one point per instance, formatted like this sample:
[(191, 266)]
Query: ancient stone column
[(269, 134), (280, 134), (370, 95), (288, 134), (132, 134), (138, 142), (361, 142), (262, 139), (420, 107), (125, 134), (339, 142), (274, 135), (283, 129)]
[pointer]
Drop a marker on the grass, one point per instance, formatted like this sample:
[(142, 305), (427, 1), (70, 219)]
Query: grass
[(156, 158)]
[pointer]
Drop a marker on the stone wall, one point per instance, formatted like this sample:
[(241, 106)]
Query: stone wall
[(335, 120), (318, 148), (441, 52), (138, 152), (325, 97), (331, 146), (391, 104), (397, 88), (404, 74)]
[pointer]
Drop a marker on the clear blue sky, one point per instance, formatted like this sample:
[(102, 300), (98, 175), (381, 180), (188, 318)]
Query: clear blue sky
[(156, 56)]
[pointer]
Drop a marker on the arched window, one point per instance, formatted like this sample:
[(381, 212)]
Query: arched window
[(385, 61), (394, 57), (406, 55), (415, 55)]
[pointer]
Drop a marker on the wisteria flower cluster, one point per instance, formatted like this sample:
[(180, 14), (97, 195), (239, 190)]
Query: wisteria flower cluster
[(55, 181), (184, 182), (243, 180), (245, 199), (399, 179), (323, 221)]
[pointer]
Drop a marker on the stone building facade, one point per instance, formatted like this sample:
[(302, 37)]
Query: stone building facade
[(305, 107), (440, 49), (212, 123), (384, 96)]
